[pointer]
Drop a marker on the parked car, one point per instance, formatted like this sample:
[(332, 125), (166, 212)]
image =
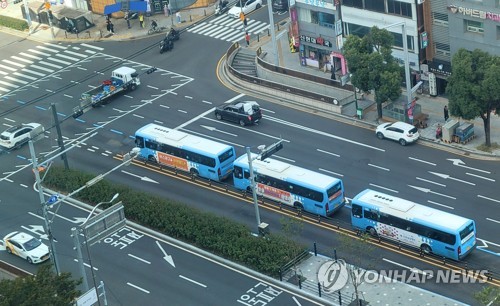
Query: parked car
[(27, 247), (401, 132), (280, 6), (242, 112), (248, 7), (18, 135)]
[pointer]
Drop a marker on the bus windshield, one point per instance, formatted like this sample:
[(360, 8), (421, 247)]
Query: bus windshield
[(466, 231)]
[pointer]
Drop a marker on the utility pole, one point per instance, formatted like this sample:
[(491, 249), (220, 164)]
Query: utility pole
[(254, 188), (59, 136), (78, 246), (273, 34), (53, 254), (28, 17)]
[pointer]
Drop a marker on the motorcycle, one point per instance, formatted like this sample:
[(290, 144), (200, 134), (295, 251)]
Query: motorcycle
[(166, 45), (221, 8), (173, 35)]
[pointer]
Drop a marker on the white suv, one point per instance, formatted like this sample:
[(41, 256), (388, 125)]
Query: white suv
[(401, 132), (248, 7), (17, 135)]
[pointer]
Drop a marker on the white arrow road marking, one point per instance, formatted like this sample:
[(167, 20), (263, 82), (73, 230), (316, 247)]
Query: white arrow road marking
[(422, 161), (37, 230), (137, 287), (446, 176), (486, 198), (143, 178), (167, 257), (194, 282), (75, 221), (211, 128), (460, 163), (481, 177), (409, 268), (427, 190)]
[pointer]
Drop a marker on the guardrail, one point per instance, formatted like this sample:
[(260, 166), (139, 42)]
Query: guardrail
[(7, 267)]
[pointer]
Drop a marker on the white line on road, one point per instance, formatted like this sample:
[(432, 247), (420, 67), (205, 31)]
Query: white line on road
[(296, 301), (424, 180), (182, 111), (486, 198), (331, 172), (138, 116), (382, 168), (207, 102), (22, 185), (326, 152), (138, 258), (395, 191), (10, 120), (152, 87), (403, 266), (188, 97), (422, 161), (85, 264), (194, 282), (492, 220), (439, 204), (481, 177), (137, 287)]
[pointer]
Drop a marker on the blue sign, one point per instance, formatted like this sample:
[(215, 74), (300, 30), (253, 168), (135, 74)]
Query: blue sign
[(53, 199)]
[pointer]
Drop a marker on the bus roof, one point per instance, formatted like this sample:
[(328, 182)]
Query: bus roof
[(287, 172), (409, 210), (180, 139)]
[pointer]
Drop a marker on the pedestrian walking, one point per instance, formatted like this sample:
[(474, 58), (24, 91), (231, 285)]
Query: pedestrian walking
[(165, 10), (247, 38), (446, 115), (127, 18), (112, 27), (178, 15), (108, 25), (141, 20)]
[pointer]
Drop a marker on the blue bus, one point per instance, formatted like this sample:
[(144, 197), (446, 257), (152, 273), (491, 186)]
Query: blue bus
[(196, 155), (429, 229), (291, 185)]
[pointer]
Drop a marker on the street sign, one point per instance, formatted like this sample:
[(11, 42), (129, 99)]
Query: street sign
[(53, 199), (107, 222), (267, 152)]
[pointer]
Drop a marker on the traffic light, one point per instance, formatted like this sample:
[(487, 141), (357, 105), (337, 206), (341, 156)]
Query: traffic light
[(267, 152)]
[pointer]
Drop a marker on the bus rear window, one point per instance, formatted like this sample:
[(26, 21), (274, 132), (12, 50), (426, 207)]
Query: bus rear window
[(226, 155), (466, 231), (333, 190)]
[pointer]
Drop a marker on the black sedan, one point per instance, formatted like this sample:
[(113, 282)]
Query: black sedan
[(242, 112)]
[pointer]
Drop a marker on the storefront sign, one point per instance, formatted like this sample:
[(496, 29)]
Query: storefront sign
[(338, 27), (474, 13), (423, 40), (319, 3), (318, 41)]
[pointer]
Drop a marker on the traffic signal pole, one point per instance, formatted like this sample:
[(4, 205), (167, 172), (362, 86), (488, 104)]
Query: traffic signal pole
[(254, 190)]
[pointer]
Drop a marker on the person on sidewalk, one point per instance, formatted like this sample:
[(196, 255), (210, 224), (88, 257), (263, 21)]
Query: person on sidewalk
[(127, 18), (247, 38), (178, 15), (446, 115), (141, 20)]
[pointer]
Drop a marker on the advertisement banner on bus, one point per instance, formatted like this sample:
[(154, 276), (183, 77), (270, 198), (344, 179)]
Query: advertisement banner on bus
[(173, 161), (274, 193)]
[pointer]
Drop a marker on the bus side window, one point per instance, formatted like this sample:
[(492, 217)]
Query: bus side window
[(238, 172), (357, 210), (247, 174), (139, 142)]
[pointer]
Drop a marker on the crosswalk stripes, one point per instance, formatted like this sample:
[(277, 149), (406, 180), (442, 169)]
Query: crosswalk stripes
[(229, 29), (35, 63)]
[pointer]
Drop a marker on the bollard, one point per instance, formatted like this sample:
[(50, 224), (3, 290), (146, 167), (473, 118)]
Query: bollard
[(315, 250), (319, 218), (335, 254), (100, 33), (204, 12), (466, 268), (268, 32), (444, 261), (209, 182), (258, 37), (190, 18), (66, 34), (319, 289), (281, 275), (225, 187), (340, 298), (300, 282)]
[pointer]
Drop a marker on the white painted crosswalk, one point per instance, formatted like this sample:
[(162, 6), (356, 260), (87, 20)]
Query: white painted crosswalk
[(228, 29), (33, 64)]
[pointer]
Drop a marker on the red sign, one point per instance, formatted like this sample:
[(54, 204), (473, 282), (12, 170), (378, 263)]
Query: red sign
[(274, 193), (173, 161)]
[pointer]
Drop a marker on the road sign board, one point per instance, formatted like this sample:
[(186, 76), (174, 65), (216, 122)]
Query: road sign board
[(53, 199)]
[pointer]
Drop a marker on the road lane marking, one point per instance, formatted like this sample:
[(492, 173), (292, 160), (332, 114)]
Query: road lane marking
[(492, 220), (395, 191), (481, 177), (326, 152), (375, 166), (431, 182), (137, 287), (331, 172), (296, 301), (436, 203), (427, 190), (446, 176), (140, 259), (486, 198), (194, 282)]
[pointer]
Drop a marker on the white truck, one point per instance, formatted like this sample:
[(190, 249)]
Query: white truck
[(122, 79)]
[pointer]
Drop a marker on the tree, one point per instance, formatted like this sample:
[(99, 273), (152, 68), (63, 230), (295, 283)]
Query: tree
[(292, 228), (43, 288), (473, 87), (489, 295), (372, 65)]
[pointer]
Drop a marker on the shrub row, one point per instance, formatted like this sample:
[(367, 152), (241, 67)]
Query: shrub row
[(13, 23), (213, 233)]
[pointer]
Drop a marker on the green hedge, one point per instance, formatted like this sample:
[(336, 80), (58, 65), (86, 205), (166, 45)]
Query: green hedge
[(213, 233), (13, 23)]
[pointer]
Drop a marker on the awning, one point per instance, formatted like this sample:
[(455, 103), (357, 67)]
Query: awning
[(134, 6)]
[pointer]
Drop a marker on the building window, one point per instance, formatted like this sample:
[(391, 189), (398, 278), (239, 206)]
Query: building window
[(398, 41), (440, 19), (356, 29), (323, 19), (305, 15), (473, 26), (442, 49), (399, 8), (353, 3), (375, 5)]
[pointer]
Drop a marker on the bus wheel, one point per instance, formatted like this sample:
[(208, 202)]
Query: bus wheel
[(372, 231), (193, 172), (298, 206), (426, 249), (152, 159)]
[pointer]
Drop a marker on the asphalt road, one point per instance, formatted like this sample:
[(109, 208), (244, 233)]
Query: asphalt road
[(185, 89)]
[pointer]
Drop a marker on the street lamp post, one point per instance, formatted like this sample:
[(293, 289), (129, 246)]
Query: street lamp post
[(254, 190)]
